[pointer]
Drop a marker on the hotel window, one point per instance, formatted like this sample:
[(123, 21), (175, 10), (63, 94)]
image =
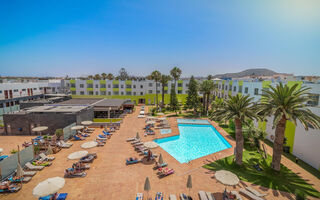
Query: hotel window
[(256, 91), (109, 93), (103, 86), (128, 86), (222, 86), (179, 91), (15, 90), (1, 105), (34, 88), (246, 90), (73, 92), (115, 86), (0, 91), (97, 93), (240, 89), (141, 93), (82, 93), (128, 93), (73, 85), (226, 87), (90, 92), (81, 86), (115, 93), (97, 86), (187, 85), (166, 91), (158, 84), (234, 88), (41, 88), (121, 86), (150, 84), (103, 93), (134, 86), (23, 90), (122, 93), (230, 87), (89, 85), (109, 86), (17, 102), (180, 85), (150, 91), (141, 86)]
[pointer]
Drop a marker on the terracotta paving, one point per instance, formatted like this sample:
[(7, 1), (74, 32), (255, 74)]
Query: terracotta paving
[(110, 178)]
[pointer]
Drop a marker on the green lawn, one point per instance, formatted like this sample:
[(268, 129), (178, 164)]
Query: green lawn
[(285, 180)]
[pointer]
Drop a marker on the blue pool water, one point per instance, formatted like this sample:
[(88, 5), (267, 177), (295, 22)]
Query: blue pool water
[(192, 121), (194, 141)]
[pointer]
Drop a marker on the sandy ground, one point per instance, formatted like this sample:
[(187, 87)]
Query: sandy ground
[(110, 178)]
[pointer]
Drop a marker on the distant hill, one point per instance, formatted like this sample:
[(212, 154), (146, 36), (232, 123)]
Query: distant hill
[(248, 72)]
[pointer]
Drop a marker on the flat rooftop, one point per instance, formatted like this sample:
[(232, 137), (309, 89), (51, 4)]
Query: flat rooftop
[(80, 101), (55, 108), (110, 103)]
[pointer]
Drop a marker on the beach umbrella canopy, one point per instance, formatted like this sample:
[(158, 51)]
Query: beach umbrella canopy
[(160, 159), (160, 114), (40, 128), (49, 186), (86, 123), (150, 144), (137, 136), (147, 186), (20, 171), (162, 118), (77, 127), (151, 117), (88, 145), (150, 122), (49, 150), (189, 182), (226, 177), (141, 116), (77, 155)]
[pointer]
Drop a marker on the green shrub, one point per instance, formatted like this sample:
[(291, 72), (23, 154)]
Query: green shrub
[(13, 151), (232, 126), (59, 133)]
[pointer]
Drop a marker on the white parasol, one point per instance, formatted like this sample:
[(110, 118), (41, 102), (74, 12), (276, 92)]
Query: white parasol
[(77, 155), (226, 177), (49, 186), (150, 144), (86, 123), (40, 128), (77, 127), (88, 145)]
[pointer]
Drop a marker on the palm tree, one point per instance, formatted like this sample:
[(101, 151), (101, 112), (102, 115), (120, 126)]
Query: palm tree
[(240, 109), (156, 76), (164, 81), (206, 87), (286, 104), (90, 77), (175, 73), (97, 77), (104, 76), (110, 76)]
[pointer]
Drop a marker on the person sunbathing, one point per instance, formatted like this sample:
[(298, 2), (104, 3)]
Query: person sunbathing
[(132, 159), (6, 185)]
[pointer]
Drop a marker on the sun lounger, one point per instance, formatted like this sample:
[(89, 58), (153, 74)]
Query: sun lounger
[(45, 157), (137, 144), (76, 138), (202, 195), (238, 197), (76, 175), (184, 197), (22, 179), (3, 157), (210, 196), (87, 159), (45, 164), (166, 172), (255, 192), (64, 144), (249, 194), (101, 138), (172, 197), (139, 196), (135, 141), (133, 161), (106, 133), (131, 139), (11, 190), (30, 166), (29, 173), (159, 196)]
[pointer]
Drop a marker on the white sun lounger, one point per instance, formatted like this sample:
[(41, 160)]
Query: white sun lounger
[(202, 195), (29, 173), (172, 197), (32, 167), (131, 139), (249, 194), (210, 196), (255, 192), (100, 138), (64, 144), (45, 157)]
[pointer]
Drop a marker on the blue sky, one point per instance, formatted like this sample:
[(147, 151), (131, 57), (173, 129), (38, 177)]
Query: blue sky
[(56, 38)]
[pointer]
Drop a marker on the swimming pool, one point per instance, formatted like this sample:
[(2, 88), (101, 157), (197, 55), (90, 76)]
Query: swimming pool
[(193, 121), (194, 141)]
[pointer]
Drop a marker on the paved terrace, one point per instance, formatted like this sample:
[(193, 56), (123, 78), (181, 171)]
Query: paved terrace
[(109, 177)]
